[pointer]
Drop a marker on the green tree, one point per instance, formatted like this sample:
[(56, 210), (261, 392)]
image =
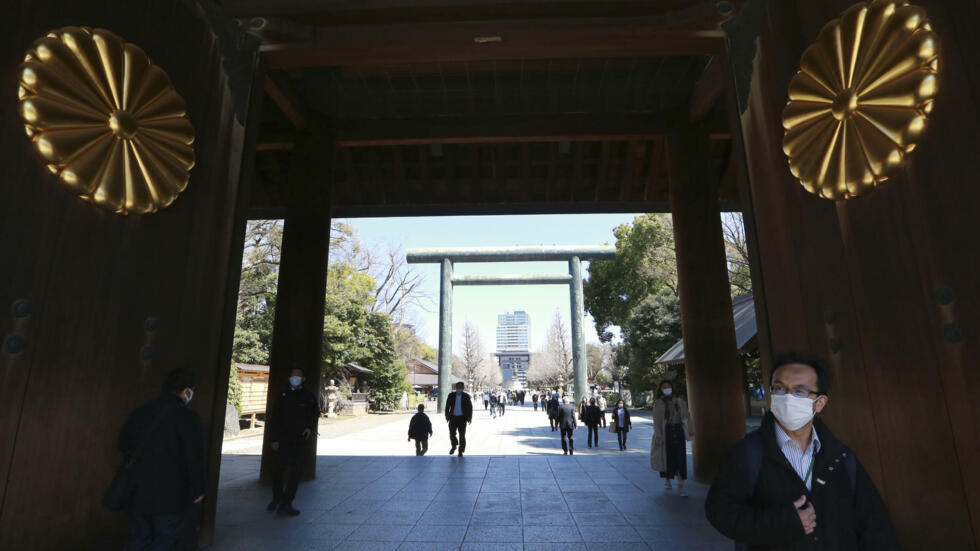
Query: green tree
[(234, 389), (652, 329), (644, 264)]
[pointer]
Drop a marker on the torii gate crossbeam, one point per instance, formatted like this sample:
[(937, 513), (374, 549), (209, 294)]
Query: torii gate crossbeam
[(447, 257)]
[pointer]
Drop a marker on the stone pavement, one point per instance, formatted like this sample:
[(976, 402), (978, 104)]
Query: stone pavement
[(514, 490)]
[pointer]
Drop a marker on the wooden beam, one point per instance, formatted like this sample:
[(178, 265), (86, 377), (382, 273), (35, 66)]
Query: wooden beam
[(461, 41), (509, 129), (707, 90), (287, 103)]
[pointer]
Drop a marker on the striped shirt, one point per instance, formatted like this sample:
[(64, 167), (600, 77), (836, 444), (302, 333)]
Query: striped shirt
[(798, 459)]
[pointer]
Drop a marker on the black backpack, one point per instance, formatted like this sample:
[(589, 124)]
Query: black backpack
[(753, 453)]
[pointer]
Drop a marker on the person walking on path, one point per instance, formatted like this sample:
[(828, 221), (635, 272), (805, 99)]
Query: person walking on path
[(486, 400), (621, 418), (790, 484), (601, 402), (292, 420), (671, 432), (165, 441), (566, 420), (592, 417), (534, 401), (581, 408), (501, 403), (553, 406), (459, 413), (420, 428), (493, 406)]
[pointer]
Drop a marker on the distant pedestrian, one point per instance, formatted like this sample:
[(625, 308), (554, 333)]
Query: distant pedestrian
[(291, 422), (493, 406), (566, 420), (420, 428), (601, 402), (502, 403), (621, 418), (592, 417), (486, 400), (534, 400), (553, 406), (791, 484), (165, 441), (459, 413), (671, 432), (581, 408)]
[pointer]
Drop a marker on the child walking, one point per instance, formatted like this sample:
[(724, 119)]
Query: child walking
[(420, 428)]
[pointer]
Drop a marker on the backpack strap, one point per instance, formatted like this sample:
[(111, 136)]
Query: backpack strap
[(753, 454)]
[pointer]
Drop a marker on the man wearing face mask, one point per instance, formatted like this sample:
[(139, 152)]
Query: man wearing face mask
[(790, 484), (291, 423), (164, 439)]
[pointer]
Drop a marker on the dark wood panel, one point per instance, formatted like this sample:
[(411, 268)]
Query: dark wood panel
[(101, 276)]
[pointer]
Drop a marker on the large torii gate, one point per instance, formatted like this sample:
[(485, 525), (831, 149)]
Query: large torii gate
[(447, 257)]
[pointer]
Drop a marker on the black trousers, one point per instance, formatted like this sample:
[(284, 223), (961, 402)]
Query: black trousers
[(285, 479), (554, 423), (621, 434), (567, 433), (421, 446), (458, 424), (486, 404), (162, 532), (535, 406), (593, 435)]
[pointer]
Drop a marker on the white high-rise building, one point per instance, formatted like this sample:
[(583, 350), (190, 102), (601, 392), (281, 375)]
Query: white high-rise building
[(513, 347)]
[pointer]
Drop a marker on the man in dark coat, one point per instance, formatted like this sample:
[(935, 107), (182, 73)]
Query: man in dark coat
[(166, 440), (566, 420), (593, 416), (459, 413), (420, 428), (534, 400), (810, 491), (553, 412), (292, 420)]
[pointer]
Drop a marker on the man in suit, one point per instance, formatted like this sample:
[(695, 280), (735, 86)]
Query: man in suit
[(553, 412), (566, 420), (166, 440), (292, 420), (592, 417), (459, 413)]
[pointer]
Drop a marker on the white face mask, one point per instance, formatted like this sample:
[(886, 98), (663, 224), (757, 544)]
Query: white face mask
[(668, 391), (295, 381), (792, 412), (188, 396)]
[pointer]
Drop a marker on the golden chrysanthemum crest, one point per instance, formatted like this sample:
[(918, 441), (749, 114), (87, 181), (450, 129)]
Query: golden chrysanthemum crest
[(860, 100), (106, 120)]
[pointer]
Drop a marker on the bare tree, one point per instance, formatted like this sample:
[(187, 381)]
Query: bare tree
[(556, 358), (472, 356), (737, 252)]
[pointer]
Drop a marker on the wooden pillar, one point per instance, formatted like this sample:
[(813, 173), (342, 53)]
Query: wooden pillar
[(714, 377), (297, 333)]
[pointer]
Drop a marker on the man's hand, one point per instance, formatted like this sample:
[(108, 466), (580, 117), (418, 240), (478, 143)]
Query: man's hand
[(808, 517), (199, 499), (470, 422), (306, 433), (274, 446), (409, 438)]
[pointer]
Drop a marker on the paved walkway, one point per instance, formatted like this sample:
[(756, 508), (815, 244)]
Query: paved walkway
[(514, 490)]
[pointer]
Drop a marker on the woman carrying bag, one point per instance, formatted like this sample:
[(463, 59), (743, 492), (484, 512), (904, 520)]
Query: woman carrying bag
[(668, 451)]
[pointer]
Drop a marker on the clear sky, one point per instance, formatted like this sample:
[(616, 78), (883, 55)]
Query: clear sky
[(482, 304)]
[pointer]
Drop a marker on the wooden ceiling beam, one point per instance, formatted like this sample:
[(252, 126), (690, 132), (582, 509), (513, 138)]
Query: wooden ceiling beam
[(287, 103), (507, 129), (707, 90), (461, 41)]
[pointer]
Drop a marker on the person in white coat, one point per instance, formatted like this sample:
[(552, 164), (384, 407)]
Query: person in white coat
[(671, 431)]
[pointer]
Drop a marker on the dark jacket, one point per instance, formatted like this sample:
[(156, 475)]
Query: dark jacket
[(553, 405), (420, 428), (534, 398), (170, 474), (451, 404), (295, 411), (566, 416), (848, 517), (626, 419), (593, 415)]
